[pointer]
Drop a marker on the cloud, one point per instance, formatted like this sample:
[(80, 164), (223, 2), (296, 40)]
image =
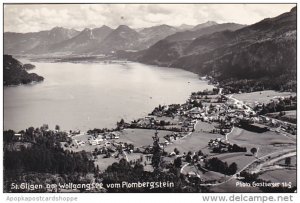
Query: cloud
[(36, 17)]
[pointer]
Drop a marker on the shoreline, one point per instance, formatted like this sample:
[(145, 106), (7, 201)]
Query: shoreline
[(147, 114), (157, 98), (135, 138), (108, 58)]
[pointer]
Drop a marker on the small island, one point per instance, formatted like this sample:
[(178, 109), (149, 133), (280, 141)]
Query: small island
[(28, 66), (14, 72)]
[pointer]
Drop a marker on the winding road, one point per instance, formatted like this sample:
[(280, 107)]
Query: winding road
[(282, 154)]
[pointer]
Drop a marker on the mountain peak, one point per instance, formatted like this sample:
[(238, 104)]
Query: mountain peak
[(58, 28), (123, 27), (184, 26), (158, 28), (211, 22), (164, 25), (102, 28), (105, 26), (85, 34), (203, 25), (58, 34), (86, 30)]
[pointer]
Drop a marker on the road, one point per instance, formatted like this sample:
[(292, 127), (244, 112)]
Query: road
[(245, 167), (241, 102), (226, 136), (250, 109), (274, 160), (283, 154), (288, 135)]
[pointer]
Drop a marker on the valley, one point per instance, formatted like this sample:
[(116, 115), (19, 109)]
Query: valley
[(201, 107)]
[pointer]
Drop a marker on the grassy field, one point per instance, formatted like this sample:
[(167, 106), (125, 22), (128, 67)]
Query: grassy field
[(103, 163), (174, 120), (279, 176), (193, 142), (196, 140), (204, 126), (138, 137), (293, 161), (239, 158), (207, 176), (141, 137), (230, 186), (261, 97), (81, 137), (290, 116), (266, 142)]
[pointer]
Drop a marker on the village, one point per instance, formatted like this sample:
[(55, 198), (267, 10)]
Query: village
[(208, 125), (212, 137)]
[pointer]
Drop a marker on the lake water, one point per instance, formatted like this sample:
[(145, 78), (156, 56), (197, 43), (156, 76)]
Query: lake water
[(94, 95)]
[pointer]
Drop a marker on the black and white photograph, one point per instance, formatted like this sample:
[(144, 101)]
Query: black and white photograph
[(149, 98)]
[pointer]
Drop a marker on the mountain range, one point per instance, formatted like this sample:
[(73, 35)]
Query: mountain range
[(252, 56), (35, 42), (258, 56), (102, 40)]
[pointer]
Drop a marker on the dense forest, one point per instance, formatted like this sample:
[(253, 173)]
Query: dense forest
[(15, 73), (41, 153), (41, 159)]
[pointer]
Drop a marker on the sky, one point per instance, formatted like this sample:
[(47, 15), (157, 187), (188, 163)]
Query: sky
[(37, 17)]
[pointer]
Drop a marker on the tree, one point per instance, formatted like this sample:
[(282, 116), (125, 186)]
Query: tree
[(176, 151), (44, 127), (232, 168), (288, 161), (177, 162), (121, 123), (8, 136), (188, 158), (97, 170), (249, 177), (57, 127), (195, 158), (253, 150), (162, 123), (160, 108), (107, 155), (236, 148), (157, 152), (119, 149), (200, 153), (30, 131), (130, 147)]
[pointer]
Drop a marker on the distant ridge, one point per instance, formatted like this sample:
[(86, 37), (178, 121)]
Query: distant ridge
[(262, 55)]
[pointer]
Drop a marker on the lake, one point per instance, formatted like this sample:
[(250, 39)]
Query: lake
[(94, 95)]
